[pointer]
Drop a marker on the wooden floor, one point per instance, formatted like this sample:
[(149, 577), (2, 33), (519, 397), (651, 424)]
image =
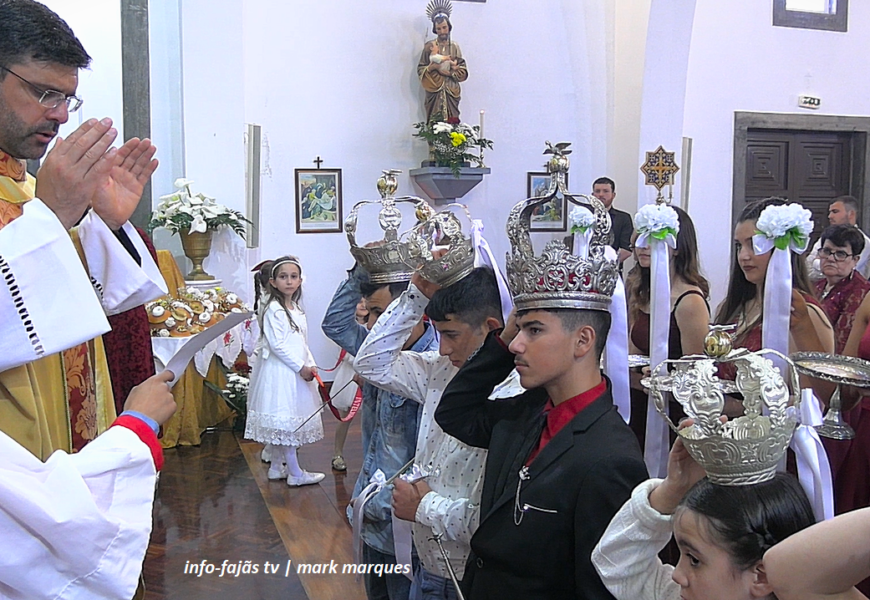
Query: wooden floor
[(214, 504)]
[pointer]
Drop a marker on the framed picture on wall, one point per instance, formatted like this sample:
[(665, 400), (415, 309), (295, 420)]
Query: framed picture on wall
[(552, 215), (318, 201)]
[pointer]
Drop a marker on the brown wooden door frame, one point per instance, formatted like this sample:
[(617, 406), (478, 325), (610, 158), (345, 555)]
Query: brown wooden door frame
[(858, 126)]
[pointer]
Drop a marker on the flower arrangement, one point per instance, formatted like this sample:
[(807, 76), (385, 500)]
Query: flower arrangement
[(786, 225), (236, 392), (185, 211), (581, 219), (657, 221), (451, 142)]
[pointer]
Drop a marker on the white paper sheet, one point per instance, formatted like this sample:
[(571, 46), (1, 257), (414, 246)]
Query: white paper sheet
[(179, 361)]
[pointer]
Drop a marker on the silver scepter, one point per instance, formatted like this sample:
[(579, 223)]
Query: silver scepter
[(437, 539)]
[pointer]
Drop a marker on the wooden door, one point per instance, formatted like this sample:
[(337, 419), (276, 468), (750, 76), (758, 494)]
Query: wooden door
[(808, 167)]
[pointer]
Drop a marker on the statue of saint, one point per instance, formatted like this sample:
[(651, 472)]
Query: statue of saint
[(441, 67)]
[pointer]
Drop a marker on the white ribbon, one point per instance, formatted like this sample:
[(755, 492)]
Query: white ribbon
[(656, 444), (616, 349), (402, 542), (777, 296), (581, 243), (402, 529), (814, 470), (376, 484), (483, 256)]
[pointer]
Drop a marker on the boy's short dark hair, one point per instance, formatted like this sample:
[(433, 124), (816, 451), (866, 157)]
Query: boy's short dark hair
[(367, 288), (572, 320), (472, 300)]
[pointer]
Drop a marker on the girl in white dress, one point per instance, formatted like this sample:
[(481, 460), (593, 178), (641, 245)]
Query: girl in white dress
[(283, 395)]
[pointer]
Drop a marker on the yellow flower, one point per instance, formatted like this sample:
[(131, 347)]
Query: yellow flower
[(458, 138)]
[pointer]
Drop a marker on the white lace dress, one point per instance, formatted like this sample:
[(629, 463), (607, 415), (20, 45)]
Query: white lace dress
[(279, 400)]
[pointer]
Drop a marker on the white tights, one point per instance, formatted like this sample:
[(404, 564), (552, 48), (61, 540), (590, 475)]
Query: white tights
[(292, 461)]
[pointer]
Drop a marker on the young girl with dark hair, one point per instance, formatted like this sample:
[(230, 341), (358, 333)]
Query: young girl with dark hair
[(722, 532), (282, 396)]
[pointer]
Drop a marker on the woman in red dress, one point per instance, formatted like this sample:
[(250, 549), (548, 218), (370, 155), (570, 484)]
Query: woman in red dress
[(843, 287), (809, 327)]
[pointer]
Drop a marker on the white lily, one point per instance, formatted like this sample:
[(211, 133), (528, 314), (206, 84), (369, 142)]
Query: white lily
[(198, 225), (182, 183)]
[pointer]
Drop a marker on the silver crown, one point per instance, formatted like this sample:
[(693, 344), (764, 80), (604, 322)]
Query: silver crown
[(392, 259), (439, 8), (557, 278), (443, 229), (744, 450)]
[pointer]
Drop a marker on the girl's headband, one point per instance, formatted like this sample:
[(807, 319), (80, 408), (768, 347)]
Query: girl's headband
[(279, 263)]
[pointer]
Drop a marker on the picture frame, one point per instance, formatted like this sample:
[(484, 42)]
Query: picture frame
[(318, 201), (551, 216)]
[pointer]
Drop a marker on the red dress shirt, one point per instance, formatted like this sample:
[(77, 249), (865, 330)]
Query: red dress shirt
[(561, 415)]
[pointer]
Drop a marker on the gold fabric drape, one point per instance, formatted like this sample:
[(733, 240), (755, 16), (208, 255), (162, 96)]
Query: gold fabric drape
[(198, 407)]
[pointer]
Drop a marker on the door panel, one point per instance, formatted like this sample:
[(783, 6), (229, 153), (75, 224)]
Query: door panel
[(811, 168)]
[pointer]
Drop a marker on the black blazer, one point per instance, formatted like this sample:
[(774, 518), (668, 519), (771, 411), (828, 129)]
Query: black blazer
[(541, 545)]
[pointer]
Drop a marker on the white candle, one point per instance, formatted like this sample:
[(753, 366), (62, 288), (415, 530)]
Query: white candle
[(480, 134)]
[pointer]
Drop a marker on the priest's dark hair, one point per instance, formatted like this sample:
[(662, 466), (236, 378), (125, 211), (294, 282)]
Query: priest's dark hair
[(605, 181), (472, 300), (31, 31), (747, 520)]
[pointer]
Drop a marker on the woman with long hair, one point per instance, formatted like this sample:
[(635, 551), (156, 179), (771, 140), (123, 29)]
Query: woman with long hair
[(743, 305), (690, 313), (809, 327)]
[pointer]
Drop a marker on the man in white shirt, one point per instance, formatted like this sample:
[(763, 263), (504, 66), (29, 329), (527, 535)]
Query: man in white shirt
[(842, 211), (446, 502)]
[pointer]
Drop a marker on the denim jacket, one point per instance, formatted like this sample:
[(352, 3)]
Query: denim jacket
[(389, 422)]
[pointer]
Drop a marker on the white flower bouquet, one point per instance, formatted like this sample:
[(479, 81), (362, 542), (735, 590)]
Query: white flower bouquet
[(786, 225), (657, 221), (184, 211), (581, 219)]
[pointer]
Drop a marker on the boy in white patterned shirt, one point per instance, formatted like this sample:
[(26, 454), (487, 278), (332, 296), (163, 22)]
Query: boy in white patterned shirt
[(446, 503)]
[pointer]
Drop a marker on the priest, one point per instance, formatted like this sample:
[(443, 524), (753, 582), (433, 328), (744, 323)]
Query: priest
[(64, 238)]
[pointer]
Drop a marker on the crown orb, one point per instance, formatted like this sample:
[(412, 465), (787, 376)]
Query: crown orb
[(558, 164), (390, 218), (387, 185), (424, 212), (718, 343)]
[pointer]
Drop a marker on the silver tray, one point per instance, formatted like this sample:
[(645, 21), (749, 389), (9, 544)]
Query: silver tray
[(666, 385), (637, 360), (833, 367)]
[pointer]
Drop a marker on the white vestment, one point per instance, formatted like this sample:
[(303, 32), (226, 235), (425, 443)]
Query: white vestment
[(47, 302), (77, 525)]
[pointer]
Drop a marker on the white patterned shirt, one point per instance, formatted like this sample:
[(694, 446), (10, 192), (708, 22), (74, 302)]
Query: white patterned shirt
[(455, 470)]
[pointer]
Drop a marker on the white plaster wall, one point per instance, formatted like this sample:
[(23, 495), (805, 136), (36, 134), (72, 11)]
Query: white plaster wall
[(338, 79), (100, 86), (626, 60), (739, 61)]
